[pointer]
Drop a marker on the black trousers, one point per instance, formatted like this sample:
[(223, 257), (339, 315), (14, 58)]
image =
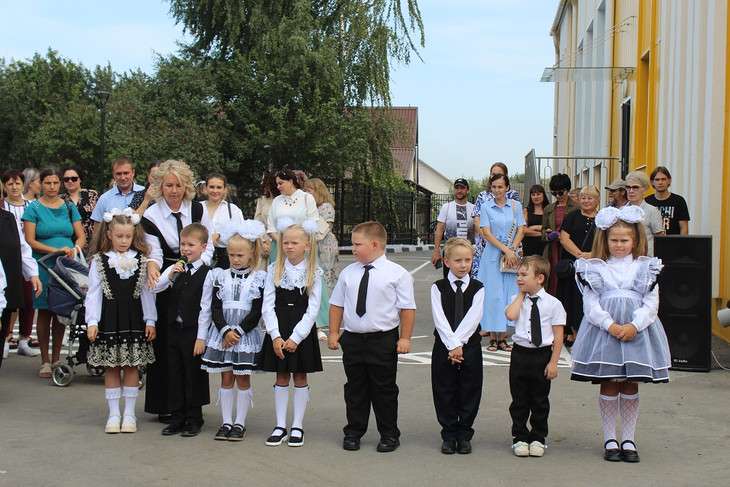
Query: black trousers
[(188, 391), (530, 390), (156, 381), (457, 390), (5, 321), (371, 362)]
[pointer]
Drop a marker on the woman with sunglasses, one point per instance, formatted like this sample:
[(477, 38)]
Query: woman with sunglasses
[(552, 221), (637, 183), (84, 199)]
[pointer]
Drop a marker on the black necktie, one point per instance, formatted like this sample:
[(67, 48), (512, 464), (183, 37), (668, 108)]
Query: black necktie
[(189, 270), (362, 293), (458, 303), (535, 323), (178, 217)]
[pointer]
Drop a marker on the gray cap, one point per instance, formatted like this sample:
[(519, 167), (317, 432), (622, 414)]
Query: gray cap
[(617, 184)]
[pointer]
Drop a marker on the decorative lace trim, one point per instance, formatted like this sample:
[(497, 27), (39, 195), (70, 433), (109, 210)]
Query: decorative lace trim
[(102, 275), (231, 289), (141, 278), (124, 264), (126, 353)]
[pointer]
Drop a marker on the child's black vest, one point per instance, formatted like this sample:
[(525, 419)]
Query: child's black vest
[(448, 298), (187, 293)]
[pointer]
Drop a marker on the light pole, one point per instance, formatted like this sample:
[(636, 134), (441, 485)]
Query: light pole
[(101, 98)]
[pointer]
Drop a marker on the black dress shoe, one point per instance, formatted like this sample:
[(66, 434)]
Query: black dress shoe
[(629, 456), (191, 429), (463, 447), (238, 433), (351, 443), (611, 454), (173, 429), (388, 444), (448, 447)]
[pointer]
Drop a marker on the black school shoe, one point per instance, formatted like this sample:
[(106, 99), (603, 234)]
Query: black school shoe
[(463, 447), (277, 439), (173, 429), (296, 440), (629, 456), (223, 432), (611, 454), (351, 443), (388, 444), (448, 447), (191, 429), (238, 433)]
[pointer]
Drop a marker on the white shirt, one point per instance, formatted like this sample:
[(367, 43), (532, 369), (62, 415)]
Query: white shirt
[(95, 295), (470, 321), (220, 217), (299, 206), (552, 314), (457, 223), (3, 285), (161, 215), (653, 223), (390, 289), (30, 265), (622, 272), (164, 282), (305, 324)]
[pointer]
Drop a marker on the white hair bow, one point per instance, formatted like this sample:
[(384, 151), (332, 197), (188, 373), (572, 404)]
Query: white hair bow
[(248, 229), (608, 216), (125, 212)]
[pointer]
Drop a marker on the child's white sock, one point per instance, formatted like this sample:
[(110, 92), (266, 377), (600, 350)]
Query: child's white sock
[(609, 412), (130, 400), (301, 397), (226, 398), (113, 394), (629, 404), (245, 399), (281, 402)]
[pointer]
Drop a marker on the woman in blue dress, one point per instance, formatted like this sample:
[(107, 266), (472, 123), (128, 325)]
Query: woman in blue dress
[(502, 226), (51, 225)]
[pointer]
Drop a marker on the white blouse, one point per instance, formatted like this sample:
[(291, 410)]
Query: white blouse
[(161, 215), (95, 294), (220, 217), (299, 206), (470, 321)]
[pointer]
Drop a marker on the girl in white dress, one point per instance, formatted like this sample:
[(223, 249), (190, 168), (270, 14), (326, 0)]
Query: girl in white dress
[(234, 343), (621, 341)]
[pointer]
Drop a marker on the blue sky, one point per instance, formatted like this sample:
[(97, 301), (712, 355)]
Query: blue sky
[(477, 89)]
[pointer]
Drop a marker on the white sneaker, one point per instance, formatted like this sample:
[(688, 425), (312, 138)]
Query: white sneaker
[(129, 425), (521, 449), (24, 349), (6, 349), (537, 449), (113, 424)]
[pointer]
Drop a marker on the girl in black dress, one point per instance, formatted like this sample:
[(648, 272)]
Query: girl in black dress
[(120, 313), (291, 302)]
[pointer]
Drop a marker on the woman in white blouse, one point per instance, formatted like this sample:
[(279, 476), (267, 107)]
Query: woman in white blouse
[(292, 202), (220, 211)]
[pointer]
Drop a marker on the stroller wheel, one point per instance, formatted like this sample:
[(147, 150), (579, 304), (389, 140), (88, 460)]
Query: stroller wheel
[(62, 375), (95, 371)]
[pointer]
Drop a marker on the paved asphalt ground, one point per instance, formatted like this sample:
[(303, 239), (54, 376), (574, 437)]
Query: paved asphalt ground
[(53, 436)]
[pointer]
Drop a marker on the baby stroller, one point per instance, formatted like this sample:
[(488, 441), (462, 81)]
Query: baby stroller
[(66, 294)]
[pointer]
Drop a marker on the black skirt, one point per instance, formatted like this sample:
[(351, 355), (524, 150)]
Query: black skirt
[(290, 306)]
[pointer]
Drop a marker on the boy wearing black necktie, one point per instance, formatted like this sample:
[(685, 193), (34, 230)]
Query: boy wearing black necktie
[(457, 303), (539, 319), (188, 383), (372, 296)]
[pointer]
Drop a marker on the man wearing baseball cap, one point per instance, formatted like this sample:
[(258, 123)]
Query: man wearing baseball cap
[(617, 193), (454, 220)]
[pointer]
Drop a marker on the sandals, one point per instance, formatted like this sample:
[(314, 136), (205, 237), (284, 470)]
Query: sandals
[(492, 346), (502, 345)]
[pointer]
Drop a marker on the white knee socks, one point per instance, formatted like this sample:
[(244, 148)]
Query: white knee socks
[(281, 402), (226, 398), (609, 412), (130, 400), (245, 399), (629, 404), (301, 397), (113, 394)]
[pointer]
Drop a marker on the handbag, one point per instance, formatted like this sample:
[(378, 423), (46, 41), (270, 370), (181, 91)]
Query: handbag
[(566, 267), (503, 267)]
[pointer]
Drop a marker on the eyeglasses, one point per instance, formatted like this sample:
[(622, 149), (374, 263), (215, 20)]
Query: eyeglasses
[(558, 193), (70, 179), (633, 188)]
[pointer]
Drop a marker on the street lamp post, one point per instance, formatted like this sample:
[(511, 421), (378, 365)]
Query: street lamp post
[(101, 98)]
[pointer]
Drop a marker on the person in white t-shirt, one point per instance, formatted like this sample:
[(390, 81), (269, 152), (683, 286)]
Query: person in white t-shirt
[(454, 220)]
